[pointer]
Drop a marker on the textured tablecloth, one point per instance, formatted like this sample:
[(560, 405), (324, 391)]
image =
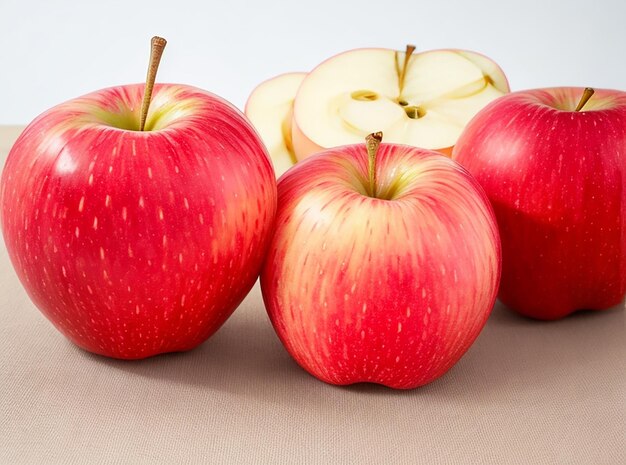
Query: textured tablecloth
[(526, 393)]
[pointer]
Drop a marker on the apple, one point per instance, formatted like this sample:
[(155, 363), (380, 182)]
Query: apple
[(555, 172), (137, 242), (422, 99), (384, 264), (270, 110)]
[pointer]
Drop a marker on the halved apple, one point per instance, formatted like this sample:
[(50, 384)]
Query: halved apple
[(422, 99), (270, 109)]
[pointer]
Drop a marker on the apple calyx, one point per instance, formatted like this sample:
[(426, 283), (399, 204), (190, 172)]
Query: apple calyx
[(587, 93), (372, 142), (156, 51)]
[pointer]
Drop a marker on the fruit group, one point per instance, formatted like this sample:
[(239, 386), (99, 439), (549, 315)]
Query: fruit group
[(270, 110), (556, 176), (382, 268), (134, 243)]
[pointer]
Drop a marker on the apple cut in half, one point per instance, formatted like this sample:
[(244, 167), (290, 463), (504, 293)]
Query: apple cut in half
[(270, 109), (420, 99)]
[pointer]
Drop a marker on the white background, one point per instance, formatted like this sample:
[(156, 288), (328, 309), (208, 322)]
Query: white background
[(56, 50)]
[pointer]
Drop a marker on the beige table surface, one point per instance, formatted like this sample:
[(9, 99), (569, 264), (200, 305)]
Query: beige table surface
[(526, 393)]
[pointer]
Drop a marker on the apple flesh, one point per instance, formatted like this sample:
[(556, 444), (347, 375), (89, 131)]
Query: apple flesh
[(426, 103), (392, 288), (270, 110), (134, 243), (557, 181)]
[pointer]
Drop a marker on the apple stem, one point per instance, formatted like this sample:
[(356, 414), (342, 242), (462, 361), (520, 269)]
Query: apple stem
[(156, 50), (407, 56), (372, 142), (587, 93)]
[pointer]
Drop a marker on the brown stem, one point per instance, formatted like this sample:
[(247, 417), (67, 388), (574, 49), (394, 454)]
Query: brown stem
[(157, 46), (407, 56), (587, 93), (372, 143)]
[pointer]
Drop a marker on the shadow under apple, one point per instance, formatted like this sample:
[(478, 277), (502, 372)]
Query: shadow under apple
[(512, 358)]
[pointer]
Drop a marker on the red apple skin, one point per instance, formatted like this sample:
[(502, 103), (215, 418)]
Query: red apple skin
[(138, 243), (393, 292), (557, 182)]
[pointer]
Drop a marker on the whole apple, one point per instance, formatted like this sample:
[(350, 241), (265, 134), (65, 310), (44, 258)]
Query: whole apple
[(553, 163), (134, 243), (383, 267)]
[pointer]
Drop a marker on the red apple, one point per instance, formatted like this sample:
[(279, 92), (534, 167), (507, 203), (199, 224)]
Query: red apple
[(134, 243), (556, 176), (383, 268)]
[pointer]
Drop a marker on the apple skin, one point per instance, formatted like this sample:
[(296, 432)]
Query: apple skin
[(362, 289), (557, 182), (138, 243)]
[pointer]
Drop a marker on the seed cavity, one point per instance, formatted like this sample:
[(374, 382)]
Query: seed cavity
[(364, 95), (414, 112)]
